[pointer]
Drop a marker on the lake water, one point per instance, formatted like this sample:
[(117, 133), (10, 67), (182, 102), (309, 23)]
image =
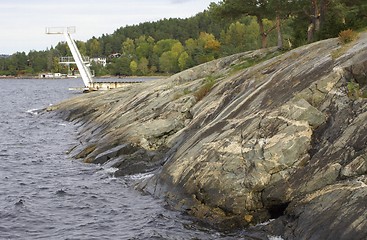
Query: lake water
[(44, 194)]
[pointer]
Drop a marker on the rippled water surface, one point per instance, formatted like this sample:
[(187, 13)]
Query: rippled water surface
[(46, 195)]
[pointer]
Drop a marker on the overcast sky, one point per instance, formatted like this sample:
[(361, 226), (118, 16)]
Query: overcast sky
[(23, 22)]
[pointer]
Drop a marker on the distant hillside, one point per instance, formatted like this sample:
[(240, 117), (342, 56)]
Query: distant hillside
[(172, 28)]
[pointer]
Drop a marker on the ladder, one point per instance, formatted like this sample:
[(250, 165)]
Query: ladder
[(83, 68)]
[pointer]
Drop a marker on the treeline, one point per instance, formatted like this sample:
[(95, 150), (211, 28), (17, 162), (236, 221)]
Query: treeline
[(171, 45)]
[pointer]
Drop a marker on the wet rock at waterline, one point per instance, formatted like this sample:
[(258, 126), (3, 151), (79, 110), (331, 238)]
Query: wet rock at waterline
[(244, 139)]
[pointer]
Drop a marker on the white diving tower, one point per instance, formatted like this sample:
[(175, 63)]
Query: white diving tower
[(80, 63)]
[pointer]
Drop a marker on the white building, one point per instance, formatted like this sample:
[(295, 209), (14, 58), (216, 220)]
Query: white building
[(99, 60)]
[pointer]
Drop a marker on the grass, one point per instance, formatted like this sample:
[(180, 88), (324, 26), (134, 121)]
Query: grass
[(346, 38), (178, 95), (254, 60), (354, 91), (205, 88)]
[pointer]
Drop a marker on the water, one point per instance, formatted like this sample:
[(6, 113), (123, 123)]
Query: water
[(46, 195)]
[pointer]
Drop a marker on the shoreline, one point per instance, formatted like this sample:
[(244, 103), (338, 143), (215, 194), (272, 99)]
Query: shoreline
[(99, 77)]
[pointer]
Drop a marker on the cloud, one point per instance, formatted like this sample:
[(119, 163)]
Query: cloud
[(24, 22)]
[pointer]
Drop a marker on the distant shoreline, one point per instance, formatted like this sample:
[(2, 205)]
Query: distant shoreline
[(100, 77)]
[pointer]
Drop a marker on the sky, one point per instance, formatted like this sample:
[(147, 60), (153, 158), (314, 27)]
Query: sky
[(23, 22)]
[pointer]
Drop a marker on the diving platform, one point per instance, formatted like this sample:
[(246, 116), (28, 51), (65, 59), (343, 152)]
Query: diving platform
[(82, 62), (83, 68)]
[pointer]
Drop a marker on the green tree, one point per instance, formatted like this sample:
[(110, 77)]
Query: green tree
[(143, 66), (128, 48), (99, 69), (63, 49), (164, 45), (108, 49), (82, 47), (94, 47), (144, 46), (183, 61), (120, 66), (319, 19), (279, 10), (38, 61), (133, 67), (168, 62), (240, 37), (234, 9), (177, 48)]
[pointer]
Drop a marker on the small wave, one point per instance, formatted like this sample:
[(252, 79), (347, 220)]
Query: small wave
[(110, 170), (265, 223), (35, 111), (107, 173), (19, 203), (140, 176), (61, 192), (275, 238)]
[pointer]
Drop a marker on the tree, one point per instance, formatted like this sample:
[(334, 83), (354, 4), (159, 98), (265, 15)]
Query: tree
[(82, 47), (235, 9), (164, 45), (207, 48), (120, 66), (208, 41), (108, 49), (94, 48), (168, 62), (128, 48), (321, 19), (177, 48), (133, 67), (183, 60), (240, 37), (63, 49), (280, 9), (144, 46), (143, 66)]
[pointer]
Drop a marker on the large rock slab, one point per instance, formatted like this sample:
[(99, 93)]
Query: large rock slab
[(283, 139)]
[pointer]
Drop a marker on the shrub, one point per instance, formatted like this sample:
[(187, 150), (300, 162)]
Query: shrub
[(178, 95), (205, 88), (347, 36), (353, 90)]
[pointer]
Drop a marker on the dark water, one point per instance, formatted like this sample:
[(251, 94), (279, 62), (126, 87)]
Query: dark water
[(46, 195)]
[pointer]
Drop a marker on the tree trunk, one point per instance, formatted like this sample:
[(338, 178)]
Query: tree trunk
[(279, 31), (264, 36), (310, 32), (315, 21), (316, 16)]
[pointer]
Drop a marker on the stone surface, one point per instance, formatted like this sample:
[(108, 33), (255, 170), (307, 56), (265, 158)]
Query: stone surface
[(281, 139)]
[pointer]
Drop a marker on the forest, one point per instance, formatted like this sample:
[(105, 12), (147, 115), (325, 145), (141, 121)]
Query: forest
[(172, 45)]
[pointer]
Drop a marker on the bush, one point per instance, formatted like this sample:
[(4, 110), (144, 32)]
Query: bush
[(354, 90), (347, 36), (205, 88)]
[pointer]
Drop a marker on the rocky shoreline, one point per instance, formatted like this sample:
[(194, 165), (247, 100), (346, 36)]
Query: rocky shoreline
[(244, 139)]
